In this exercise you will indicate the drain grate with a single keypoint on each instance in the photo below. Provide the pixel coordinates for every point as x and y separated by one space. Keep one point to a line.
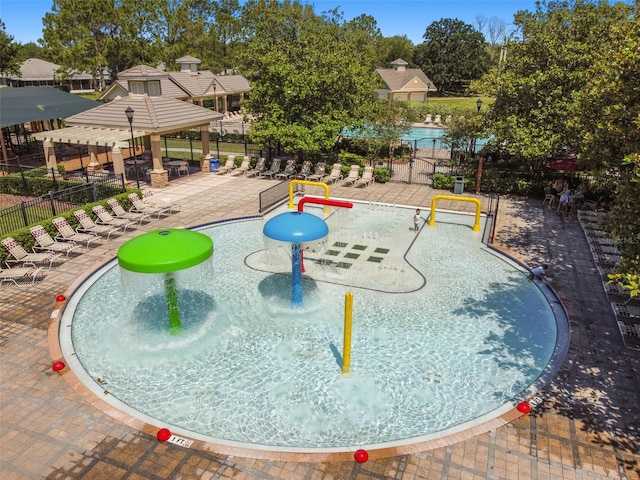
622 310
630 334
351 255
381 250
375 259
340 244
359 247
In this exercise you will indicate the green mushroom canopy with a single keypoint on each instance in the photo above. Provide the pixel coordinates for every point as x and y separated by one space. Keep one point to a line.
164 251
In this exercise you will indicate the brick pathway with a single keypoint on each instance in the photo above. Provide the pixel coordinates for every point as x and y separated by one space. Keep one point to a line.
586 428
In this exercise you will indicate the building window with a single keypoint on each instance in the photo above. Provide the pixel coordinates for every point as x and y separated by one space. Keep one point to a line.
154 88
150 87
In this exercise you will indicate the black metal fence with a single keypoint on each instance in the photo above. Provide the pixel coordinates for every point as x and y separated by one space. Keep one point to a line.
40 208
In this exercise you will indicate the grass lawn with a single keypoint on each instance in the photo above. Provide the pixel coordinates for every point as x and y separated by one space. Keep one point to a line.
460 102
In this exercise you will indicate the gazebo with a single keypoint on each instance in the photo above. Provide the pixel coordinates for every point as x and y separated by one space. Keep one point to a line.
108 125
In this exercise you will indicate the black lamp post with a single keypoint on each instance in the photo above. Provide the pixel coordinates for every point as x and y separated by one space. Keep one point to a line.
479 104
129 113
215 99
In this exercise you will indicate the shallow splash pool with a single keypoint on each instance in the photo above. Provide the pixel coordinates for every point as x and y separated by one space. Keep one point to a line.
445 334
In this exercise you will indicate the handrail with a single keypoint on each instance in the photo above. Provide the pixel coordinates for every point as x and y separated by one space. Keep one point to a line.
306 182
432 218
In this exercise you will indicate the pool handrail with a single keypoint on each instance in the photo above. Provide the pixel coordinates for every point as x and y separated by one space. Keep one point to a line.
432 217
306 182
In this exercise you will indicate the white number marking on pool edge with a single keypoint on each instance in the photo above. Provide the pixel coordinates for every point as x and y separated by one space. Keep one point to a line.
183 442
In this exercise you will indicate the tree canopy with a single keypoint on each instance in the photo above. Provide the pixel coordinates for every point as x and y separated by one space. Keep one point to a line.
453 52
8 52
311 75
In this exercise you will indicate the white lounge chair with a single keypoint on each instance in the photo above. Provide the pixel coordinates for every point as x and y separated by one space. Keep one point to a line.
150 199
352 178
366 179
66 233
21 256
229 165
27 274
105 218
46 243
138 206
119 211
244 167
87 225
305 170
335 174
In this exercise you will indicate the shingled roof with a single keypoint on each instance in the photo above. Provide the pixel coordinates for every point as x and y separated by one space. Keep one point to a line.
401 78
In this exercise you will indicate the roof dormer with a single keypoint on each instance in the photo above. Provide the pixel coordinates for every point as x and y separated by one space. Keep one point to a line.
189 64
399 65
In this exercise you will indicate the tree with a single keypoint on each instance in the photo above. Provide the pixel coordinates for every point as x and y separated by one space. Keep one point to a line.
396 47
453 52
311 76
535 88
9 62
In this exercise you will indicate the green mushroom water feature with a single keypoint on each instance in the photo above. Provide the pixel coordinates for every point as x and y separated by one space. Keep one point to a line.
165 252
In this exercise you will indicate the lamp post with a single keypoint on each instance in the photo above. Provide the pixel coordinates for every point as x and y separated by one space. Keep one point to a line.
479 104
129 113
215 99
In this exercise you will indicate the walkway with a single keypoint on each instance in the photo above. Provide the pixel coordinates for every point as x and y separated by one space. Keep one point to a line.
586 428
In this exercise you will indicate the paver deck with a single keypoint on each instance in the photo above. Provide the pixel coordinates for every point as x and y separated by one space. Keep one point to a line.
588 426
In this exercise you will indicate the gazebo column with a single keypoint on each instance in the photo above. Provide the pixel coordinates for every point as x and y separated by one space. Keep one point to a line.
118 161
50 157
94 163
159 176
206 152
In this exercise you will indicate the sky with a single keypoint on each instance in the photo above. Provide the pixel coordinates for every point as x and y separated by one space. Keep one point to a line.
23 18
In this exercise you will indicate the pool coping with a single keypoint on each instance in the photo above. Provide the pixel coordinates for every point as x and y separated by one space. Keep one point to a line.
473 428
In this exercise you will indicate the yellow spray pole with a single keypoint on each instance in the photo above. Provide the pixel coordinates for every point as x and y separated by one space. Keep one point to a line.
346 347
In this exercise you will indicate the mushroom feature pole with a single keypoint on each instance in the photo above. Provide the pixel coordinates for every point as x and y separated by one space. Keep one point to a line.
346 344
166 252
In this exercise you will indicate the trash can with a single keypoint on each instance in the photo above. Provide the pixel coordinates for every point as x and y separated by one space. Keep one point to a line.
458 186
214 164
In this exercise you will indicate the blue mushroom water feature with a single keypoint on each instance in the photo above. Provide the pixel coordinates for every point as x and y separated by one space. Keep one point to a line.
297 228
165 252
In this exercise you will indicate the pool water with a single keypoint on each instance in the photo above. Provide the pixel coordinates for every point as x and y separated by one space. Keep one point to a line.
444 332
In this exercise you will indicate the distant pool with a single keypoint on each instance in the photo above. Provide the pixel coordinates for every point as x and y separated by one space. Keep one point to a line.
423 137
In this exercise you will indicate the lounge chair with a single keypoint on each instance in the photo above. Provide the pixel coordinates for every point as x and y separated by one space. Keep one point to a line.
288 172
319 172
305 170
258 169
21 275
149 198
87 225
21 256
366 179
119 211
138 206
244 167
105 218
66 233
274 170
335 174
352 178
229 165
45 243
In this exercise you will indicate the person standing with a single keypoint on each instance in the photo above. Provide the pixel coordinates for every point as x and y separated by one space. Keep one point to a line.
417 218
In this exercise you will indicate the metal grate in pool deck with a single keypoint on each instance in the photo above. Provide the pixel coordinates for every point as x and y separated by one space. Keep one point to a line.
353 252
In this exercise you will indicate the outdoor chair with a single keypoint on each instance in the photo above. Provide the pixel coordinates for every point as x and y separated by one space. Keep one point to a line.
244 167
288 172
274 170
22 257
105 218
352 178
46 243
229 165
27 274
258 169
319 172
138 206
87 225
150 199
335 174
366 179
305 170
119 211
66 233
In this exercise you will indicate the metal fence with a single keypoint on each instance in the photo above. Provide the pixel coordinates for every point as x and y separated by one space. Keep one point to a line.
54 203
274 195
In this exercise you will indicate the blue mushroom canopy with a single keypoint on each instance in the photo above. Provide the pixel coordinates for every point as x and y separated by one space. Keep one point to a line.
296 227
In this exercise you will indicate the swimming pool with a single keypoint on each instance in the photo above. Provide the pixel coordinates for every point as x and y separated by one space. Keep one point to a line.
445 333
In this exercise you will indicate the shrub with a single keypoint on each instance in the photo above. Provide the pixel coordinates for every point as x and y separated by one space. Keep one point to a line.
381 175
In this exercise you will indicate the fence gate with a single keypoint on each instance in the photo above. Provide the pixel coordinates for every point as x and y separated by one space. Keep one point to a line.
430 156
